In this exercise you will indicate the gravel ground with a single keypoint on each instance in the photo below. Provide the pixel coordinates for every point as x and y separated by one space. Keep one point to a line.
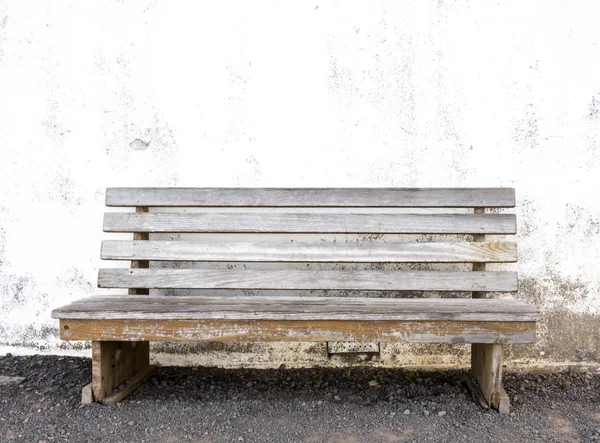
293 405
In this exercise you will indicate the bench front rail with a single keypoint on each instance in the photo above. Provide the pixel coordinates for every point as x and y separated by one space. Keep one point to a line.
320 247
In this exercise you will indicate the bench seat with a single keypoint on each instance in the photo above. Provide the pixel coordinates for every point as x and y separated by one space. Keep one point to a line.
256 318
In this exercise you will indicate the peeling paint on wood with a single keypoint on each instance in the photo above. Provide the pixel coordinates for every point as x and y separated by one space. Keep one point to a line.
292 331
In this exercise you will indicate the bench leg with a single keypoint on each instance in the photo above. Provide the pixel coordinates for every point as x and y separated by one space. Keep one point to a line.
118 368
486 367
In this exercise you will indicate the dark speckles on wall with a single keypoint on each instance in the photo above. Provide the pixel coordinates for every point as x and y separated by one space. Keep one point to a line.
385 82
39 338
3 23
580 220
591 145
2 245
562 336
17 288
527 217
16 291
247 354
536 290
254 171
594 108
22 293
62 188
531 290
527 132
75 279
217 347
65 190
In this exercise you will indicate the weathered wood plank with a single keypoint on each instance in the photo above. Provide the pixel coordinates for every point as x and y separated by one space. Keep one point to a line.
307 280
298 331
115 362
476 393
131 385
310 223
486 367
307 197
367 252
294 308
503 402
140 263
479 266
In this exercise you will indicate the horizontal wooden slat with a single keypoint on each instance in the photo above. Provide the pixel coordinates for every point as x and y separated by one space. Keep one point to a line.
351 252
308 197
146 307
298 331
307 279
311 223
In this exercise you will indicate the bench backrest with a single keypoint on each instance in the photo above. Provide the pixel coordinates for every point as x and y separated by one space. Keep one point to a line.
243 216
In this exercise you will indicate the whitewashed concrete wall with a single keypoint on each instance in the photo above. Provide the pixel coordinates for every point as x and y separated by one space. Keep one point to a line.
416 93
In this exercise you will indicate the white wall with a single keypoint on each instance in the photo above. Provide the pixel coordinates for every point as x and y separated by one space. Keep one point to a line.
417 93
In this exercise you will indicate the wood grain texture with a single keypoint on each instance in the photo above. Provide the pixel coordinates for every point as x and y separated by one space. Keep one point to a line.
308 197
115 362
294 308
132 384
367 252
299 331
475 392
140 263
486 367
342 223
478 266
307 280
503 401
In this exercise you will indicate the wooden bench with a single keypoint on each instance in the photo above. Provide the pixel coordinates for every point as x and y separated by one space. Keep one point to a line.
316 249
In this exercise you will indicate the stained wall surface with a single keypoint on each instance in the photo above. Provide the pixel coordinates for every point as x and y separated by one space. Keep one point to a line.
414 93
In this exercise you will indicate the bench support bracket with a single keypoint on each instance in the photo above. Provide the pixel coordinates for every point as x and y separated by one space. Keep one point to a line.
118 368
486 368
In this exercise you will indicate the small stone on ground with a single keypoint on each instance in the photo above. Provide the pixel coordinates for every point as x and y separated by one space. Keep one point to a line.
6 380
